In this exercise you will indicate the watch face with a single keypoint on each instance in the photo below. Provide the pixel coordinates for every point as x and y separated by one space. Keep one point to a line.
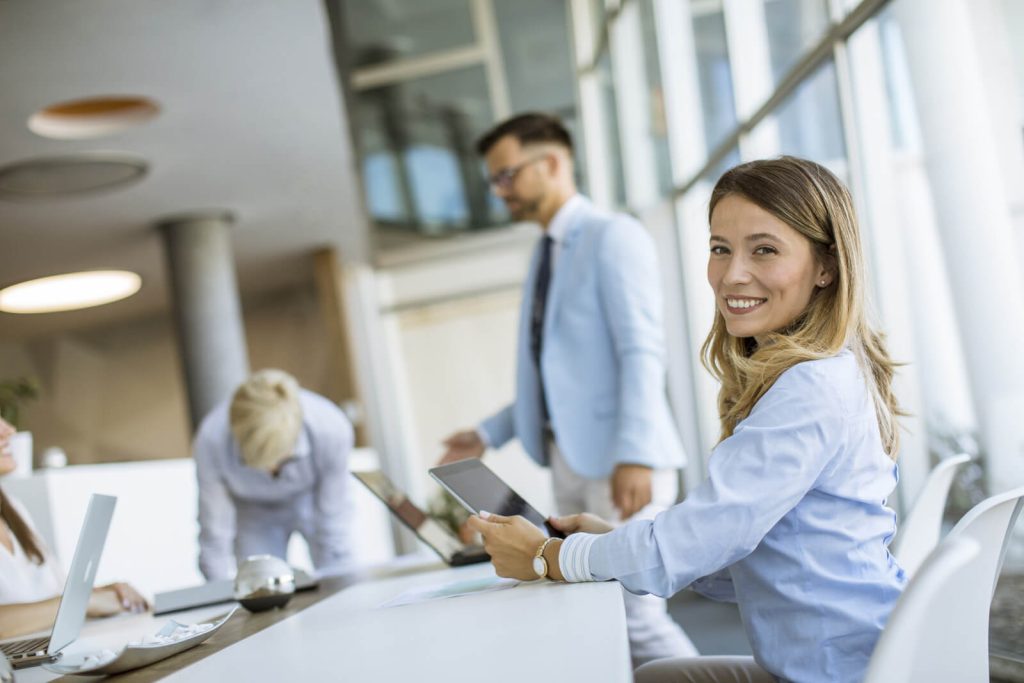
540 567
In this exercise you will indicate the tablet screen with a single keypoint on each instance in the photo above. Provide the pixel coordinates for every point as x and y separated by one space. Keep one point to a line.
478 488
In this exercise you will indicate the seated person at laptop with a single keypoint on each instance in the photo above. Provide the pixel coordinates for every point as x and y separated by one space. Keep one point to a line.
30 581
270 461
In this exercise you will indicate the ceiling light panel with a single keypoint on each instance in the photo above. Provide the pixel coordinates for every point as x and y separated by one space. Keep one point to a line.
69 292
92 117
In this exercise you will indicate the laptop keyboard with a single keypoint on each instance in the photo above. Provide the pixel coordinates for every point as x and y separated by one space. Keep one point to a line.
25 647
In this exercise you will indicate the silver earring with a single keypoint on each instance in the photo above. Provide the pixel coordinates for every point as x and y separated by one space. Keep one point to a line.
822 283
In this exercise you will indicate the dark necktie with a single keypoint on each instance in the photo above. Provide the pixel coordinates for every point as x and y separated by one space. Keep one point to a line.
540 297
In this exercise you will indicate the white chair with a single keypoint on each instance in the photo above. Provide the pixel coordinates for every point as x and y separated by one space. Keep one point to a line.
919 534
938 632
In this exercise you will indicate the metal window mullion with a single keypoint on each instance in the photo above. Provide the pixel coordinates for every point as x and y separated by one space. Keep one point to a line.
632 102
489 42
367 77
591 110
588 60
789 83
872 179
746 37
677 57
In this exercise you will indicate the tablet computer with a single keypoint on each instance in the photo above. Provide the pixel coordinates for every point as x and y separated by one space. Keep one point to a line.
478 488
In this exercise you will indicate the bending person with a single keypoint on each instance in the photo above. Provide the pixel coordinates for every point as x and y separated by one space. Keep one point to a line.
791 522
271 461
30 581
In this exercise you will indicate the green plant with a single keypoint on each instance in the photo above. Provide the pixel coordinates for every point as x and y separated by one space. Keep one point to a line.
13 393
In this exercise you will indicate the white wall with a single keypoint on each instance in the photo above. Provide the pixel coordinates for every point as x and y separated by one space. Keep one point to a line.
452 322
153 536
117 393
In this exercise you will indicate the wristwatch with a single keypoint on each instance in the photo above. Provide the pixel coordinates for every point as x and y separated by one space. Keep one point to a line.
540 565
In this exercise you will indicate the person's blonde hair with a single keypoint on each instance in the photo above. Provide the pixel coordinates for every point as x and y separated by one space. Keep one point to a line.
266 418
810 199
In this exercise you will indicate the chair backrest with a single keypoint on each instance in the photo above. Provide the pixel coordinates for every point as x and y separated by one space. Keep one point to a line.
919 533
938 632
907 640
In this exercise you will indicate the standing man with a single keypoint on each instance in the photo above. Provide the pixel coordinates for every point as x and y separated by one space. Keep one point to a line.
590 378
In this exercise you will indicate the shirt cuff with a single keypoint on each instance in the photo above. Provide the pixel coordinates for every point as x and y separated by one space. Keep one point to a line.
482 433
574 557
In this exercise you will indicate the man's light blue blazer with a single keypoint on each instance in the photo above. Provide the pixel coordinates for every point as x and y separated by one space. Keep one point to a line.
603 354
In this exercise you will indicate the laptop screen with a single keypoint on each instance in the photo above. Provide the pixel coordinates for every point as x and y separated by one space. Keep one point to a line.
74 600
426 528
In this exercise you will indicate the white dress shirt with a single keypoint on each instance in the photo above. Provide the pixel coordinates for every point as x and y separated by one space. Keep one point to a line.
561 221
246 511
21 579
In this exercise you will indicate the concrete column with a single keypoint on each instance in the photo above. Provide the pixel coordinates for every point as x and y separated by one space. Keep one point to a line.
961 142
207 310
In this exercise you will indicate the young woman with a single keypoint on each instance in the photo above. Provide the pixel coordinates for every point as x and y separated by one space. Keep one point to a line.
791 522
30 582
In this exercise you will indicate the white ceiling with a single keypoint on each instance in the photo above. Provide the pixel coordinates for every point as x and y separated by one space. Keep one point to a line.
251 122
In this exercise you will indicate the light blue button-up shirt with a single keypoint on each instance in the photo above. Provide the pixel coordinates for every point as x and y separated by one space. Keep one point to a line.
245 511
791 524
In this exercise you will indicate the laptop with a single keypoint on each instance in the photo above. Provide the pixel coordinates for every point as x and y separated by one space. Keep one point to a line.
213 593
74 601
434 534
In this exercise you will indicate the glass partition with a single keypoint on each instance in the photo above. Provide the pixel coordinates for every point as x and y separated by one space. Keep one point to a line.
794 26
426 80
379 32
810 124
419 165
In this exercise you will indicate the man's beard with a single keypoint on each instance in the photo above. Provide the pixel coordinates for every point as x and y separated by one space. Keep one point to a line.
526 209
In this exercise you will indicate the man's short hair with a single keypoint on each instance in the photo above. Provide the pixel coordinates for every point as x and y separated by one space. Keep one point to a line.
529 128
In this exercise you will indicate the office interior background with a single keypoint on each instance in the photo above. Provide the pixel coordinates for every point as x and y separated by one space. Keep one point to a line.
327 146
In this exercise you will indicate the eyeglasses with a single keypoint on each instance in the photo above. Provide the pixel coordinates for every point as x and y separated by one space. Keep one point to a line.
503 179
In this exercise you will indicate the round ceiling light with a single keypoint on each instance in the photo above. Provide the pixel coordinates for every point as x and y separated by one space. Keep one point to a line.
92 117
70 174
69 292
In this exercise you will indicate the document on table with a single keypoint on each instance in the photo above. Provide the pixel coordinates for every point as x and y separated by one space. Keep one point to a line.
451 590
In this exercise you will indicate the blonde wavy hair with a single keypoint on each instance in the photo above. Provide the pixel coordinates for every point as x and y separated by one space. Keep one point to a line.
810 199
266 418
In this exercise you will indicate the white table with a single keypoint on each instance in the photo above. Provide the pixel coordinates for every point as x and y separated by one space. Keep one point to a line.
534 631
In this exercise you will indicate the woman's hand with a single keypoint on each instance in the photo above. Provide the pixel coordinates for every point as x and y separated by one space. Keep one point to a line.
511 542
583 523
114 598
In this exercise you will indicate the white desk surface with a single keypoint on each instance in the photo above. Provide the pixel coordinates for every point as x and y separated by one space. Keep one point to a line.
535 631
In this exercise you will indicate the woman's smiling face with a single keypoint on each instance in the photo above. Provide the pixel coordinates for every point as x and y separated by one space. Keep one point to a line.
763 272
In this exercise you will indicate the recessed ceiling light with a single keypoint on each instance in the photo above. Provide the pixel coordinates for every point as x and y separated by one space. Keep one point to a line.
69 174
92 117
69 292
